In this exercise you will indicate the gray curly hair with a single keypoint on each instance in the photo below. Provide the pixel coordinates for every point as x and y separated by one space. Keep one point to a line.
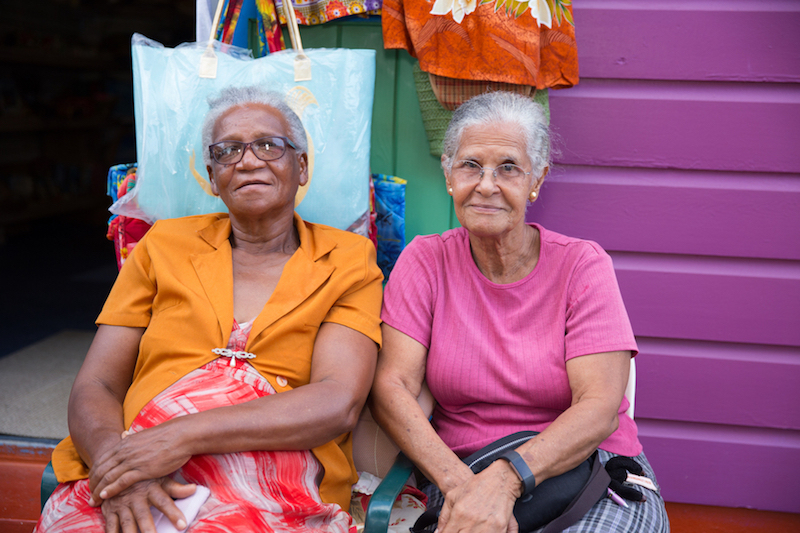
238 96
497 107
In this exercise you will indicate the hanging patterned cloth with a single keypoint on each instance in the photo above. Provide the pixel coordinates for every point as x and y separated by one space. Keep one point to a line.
526 43
228 20
312 12
270 36
269 27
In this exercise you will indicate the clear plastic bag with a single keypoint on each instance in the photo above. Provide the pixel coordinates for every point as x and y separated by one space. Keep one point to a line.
170 103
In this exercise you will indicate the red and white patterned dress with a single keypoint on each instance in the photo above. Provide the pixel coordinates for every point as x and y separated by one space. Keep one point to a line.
260 491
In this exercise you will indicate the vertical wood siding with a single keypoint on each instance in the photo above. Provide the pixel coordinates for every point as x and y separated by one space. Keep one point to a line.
680 155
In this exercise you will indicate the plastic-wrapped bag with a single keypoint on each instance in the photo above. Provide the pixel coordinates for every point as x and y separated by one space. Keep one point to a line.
390 206
170 103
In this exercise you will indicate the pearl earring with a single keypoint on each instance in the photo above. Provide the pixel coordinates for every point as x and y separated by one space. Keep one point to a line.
534 194
450 191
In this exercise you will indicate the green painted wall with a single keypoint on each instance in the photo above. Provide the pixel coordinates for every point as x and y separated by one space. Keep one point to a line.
399 144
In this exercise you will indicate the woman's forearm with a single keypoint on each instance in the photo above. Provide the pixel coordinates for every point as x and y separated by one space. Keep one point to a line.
300 419
94 413
568 441
597 382
95 423
397 411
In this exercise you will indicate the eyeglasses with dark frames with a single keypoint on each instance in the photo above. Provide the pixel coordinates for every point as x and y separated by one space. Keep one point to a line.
265 148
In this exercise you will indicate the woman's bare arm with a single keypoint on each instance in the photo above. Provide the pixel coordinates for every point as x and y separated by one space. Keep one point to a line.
96 425
598 385
303 418
398 382
95 403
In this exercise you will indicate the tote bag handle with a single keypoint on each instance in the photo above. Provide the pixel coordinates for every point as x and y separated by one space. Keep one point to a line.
208 61
302 63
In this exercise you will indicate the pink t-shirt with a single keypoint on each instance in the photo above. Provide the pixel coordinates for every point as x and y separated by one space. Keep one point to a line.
497 352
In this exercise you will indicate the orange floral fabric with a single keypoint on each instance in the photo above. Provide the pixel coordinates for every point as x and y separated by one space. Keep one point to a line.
497 40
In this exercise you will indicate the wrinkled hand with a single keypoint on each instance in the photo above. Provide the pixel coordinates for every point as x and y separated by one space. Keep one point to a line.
484 503
129 511
150 454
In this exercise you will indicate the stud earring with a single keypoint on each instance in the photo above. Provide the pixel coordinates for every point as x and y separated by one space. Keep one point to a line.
533 196
450 191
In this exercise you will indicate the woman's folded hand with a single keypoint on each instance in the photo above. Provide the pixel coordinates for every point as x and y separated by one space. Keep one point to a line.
484 503
129 511
149 454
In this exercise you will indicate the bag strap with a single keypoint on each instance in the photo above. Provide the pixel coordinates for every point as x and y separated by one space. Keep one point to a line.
302 63
592 492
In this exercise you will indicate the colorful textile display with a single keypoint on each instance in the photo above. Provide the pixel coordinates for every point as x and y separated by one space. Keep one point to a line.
390 206
373 214
312 12
124 231
270 36
526 43
227 21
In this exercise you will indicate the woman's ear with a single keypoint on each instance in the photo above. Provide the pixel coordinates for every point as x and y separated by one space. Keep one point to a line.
538 183
446 175
302 159
214 188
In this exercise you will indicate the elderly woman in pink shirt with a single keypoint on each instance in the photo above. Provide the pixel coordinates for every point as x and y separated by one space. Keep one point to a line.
513 327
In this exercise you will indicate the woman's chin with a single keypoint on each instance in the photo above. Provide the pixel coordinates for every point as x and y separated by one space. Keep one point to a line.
488 226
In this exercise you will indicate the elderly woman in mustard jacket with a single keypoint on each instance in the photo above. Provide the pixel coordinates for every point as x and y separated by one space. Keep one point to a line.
234 353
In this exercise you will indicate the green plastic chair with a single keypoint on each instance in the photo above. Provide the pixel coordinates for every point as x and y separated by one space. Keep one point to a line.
49 483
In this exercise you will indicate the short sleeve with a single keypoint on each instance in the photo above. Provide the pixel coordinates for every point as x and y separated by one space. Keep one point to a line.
359 305
130 302
596 320
410 294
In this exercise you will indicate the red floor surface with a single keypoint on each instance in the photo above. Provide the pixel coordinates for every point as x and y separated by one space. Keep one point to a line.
21 471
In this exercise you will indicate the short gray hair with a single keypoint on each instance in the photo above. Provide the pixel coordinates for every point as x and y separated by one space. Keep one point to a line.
238 96
497 107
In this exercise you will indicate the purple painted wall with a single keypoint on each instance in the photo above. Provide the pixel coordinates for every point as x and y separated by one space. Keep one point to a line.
681 157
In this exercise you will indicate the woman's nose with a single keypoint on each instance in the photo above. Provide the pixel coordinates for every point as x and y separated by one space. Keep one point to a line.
486 183
249 159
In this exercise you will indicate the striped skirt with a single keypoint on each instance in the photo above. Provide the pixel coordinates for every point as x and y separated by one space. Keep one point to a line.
262 491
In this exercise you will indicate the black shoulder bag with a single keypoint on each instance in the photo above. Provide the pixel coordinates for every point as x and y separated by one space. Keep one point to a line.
557 502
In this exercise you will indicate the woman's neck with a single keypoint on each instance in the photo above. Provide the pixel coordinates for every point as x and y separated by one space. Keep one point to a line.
508 258
264 236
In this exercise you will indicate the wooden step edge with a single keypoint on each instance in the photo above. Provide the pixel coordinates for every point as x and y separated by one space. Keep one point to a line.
695 518
26 448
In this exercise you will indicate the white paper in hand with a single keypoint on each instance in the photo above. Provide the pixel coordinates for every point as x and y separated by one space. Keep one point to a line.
188 506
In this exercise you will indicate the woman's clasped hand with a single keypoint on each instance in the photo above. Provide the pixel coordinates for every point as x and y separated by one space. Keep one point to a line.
150 454
483 502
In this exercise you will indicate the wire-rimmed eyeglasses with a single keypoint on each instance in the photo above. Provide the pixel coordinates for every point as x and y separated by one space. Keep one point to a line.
472 171
265 148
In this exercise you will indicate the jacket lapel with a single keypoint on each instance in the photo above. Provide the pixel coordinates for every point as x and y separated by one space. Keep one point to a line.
215 271
302 276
